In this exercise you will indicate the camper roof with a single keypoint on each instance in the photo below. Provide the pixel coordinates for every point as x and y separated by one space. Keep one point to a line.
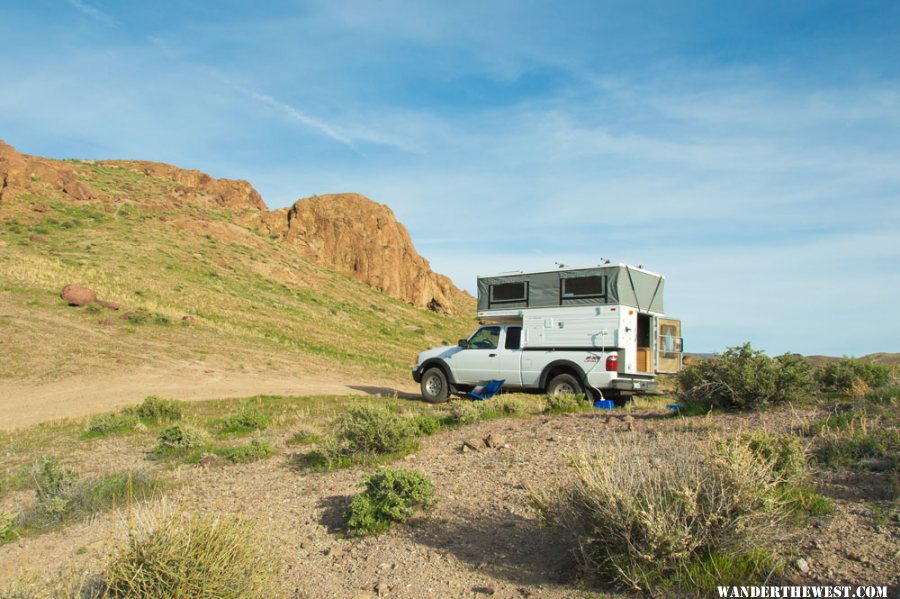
603 284
571 269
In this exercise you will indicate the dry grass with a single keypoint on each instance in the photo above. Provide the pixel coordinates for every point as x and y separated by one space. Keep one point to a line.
167 554
645 514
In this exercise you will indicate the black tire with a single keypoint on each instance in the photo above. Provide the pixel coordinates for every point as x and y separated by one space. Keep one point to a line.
434 386
564 383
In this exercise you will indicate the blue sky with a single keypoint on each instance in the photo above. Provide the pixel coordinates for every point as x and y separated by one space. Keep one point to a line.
749 151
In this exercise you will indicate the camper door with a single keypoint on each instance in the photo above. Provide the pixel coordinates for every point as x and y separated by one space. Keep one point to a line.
669 346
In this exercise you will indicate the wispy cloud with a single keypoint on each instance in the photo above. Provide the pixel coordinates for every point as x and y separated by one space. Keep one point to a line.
93 12
303 118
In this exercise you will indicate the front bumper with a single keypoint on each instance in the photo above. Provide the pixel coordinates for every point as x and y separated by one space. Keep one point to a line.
417 374
636 385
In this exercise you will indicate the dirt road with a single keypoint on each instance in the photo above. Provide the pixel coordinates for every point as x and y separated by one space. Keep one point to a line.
24 404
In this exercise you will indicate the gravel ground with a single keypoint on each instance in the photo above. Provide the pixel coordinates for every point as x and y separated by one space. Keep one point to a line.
482 538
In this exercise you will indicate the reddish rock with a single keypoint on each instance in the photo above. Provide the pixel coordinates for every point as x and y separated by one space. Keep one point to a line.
76 295
360 238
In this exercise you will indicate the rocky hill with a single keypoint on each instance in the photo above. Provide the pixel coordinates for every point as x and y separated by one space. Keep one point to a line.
206 277
348 233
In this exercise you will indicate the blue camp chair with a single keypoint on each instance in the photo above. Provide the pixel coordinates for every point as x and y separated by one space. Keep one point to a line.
483 392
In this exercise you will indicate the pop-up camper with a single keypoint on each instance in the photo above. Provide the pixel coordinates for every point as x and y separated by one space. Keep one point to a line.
598 330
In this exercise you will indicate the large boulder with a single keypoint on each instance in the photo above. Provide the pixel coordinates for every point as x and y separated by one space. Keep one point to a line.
76 295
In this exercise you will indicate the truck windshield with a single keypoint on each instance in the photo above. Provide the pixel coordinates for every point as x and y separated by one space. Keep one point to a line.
485 338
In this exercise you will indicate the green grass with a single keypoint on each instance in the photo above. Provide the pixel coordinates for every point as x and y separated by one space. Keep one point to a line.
879 447
243 454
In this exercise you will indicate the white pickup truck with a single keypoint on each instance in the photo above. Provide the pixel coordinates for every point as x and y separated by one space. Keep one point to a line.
598 331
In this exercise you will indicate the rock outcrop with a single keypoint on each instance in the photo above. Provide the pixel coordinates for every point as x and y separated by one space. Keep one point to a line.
347 233
355 236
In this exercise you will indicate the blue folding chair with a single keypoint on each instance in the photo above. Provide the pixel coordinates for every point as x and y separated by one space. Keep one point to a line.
483 392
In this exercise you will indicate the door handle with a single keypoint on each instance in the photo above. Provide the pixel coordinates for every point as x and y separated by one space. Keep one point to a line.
492 355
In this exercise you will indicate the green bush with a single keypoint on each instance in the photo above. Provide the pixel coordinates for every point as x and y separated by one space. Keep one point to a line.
426 424
248 418
744 379
880 448
251 452
178 438
155 408
888 395
785 452
62 497
105 424
842 375
642 514
564 403
207 556
390 496
463 411
7 527
506 406
54 486
376 430
304 436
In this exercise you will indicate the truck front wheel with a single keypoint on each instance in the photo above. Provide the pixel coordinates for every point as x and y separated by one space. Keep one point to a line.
564 384
434 386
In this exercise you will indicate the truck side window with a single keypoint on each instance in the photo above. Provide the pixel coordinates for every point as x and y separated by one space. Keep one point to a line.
513 337
485 338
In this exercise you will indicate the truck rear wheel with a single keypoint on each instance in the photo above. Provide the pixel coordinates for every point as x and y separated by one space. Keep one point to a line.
434 386
564 384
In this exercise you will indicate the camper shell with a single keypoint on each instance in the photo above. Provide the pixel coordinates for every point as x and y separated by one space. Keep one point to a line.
599 330
607 307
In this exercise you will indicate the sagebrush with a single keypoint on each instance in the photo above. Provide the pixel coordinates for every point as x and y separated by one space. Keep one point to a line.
390 495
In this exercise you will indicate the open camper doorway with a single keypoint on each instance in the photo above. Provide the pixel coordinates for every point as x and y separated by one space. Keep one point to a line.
644 336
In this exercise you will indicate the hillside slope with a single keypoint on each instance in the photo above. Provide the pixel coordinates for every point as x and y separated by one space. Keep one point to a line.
204 275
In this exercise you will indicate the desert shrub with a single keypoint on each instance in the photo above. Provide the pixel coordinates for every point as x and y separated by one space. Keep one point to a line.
641 516
178 438
7 527
464 411
846 374
879 449
54 486
426 424
390 495
251 452
564 403
105 424
156 408
62 497
888 395
178 557
304 436
248 418
376 430
785 452
742 378
506 406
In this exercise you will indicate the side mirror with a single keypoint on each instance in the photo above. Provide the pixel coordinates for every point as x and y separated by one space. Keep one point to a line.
463 343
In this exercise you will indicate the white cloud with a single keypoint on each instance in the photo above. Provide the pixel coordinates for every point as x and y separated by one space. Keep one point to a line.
93 12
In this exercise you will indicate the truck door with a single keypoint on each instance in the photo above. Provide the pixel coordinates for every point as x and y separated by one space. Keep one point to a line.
480 360
669 346
511 357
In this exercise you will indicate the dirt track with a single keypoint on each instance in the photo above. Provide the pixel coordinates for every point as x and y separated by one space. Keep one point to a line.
27 404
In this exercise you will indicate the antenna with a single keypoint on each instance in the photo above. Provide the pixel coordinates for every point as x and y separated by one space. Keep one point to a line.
560 264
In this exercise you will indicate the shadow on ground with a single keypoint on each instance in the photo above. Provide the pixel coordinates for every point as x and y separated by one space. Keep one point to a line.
334 513
504 545
385 391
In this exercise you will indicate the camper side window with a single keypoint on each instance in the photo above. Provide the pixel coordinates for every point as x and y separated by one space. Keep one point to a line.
583 287
509 292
